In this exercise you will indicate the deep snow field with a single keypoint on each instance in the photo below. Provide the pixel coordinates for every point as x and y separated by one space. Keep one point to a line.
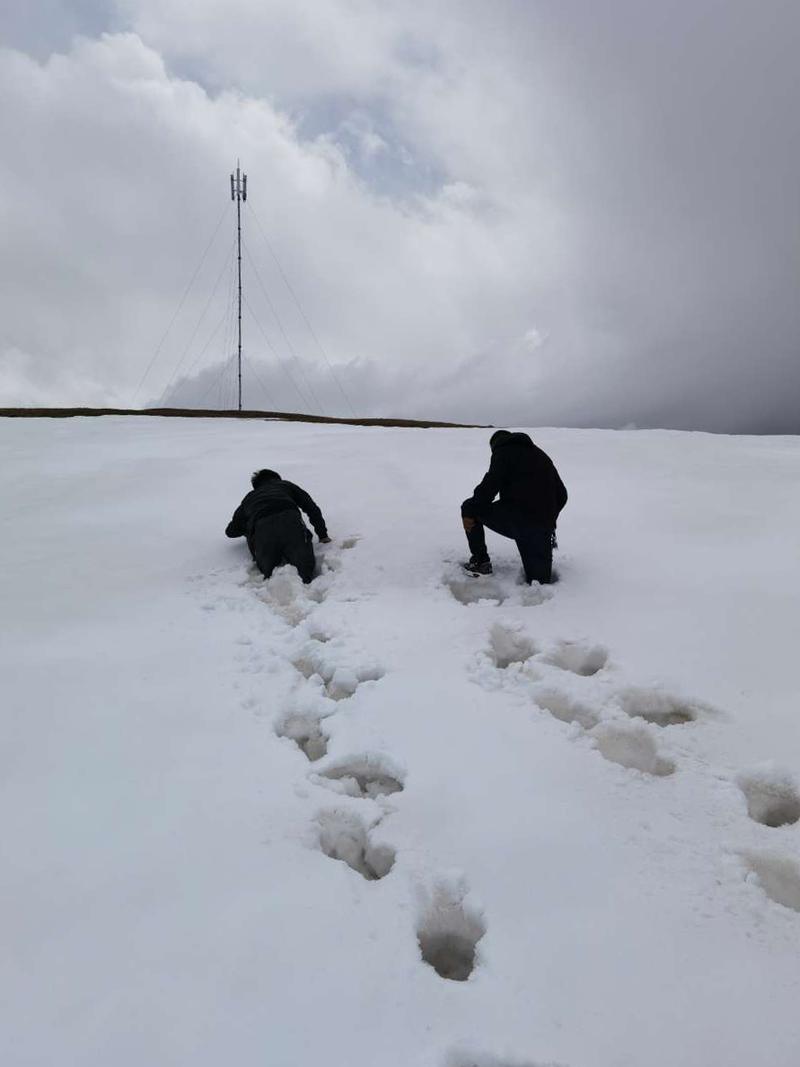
400 817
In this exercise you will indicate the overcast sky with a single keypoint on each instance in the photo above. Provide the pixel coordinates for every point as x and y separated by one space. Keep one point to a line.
558 212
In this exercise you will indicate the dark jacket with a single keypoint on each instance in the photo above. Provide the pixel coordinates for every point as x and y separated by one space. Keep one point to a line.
270 498
525 478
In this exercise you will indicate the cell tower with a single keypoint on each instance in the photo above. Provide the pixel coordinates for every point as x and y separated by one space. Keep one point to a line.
239 193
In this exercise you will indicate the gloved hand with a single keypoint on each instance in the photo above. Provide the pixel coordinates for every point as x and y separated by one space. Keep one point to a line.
324 540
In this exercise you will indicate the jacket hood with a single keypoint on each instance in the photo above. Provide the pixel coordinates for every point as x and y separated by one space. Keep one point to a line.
517 440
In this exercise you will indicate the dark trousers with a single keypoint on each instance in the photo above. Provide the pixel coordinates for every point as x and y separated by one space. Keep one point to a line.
283 538
535 543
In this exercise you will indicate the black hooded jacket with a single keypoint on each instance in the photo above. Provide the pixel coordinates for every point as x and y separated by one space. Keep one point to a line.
526 479
269 498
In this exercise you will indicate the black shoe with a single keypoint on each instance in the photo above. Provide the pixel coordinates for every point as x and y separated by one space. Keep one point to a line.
477 567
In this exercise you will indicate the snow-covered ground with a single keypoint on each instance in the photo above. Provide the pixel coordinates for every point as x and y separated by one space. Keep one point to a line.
236 816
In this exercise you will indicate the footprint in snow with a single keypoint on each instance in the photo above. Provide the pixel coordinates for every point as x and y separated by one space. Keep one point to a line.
448 933
498 588
339 683
344 837
305 730
508 644
631 745
657 707
329 556
288 598
772 796
329 564
777 875
364 776
468 590
320 636
566 709
578 658
627 744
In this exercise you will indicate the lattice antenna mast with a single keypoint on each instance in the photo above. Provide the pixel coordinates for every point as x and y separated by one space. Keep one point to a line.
239 193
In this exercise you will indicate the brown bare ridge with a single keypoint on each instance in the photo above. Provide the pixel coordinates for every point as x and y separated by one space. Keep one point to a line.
211 413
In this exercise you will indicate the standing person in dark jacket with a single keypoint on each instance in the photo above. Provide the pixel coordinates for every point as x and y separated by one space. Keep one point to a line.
531 496
269 517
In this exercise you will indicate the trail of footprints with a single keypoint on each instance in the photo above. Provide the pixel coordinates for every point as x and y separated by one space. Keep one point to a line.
448 930
625 728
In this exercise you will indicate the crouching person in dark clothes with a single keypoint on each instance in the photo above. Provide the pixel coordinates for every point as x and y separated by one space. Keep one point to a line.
269 517
531 497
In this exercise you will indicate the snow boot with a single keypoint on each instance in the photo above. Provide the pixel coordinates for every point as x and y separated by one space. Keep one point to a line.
477 567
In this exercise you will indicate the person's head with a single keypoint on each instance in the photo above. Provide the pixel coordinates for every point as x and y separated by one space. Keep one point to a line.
259 477
497 438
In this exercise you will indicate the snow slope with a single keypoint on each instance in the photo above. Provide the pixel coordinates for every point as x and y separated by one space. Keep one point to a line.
236 815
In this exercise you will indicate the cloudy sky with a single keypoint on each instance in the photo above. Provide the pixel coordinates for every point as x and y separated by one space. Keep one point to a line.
546 212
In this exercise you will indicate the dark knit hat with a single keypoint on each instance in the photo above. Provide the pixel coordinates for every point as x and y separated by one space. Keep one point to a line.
497 436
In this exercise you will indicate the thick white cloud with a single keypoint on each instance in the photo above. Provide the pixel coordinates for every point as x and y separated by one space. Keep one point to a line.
119 175
507 212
